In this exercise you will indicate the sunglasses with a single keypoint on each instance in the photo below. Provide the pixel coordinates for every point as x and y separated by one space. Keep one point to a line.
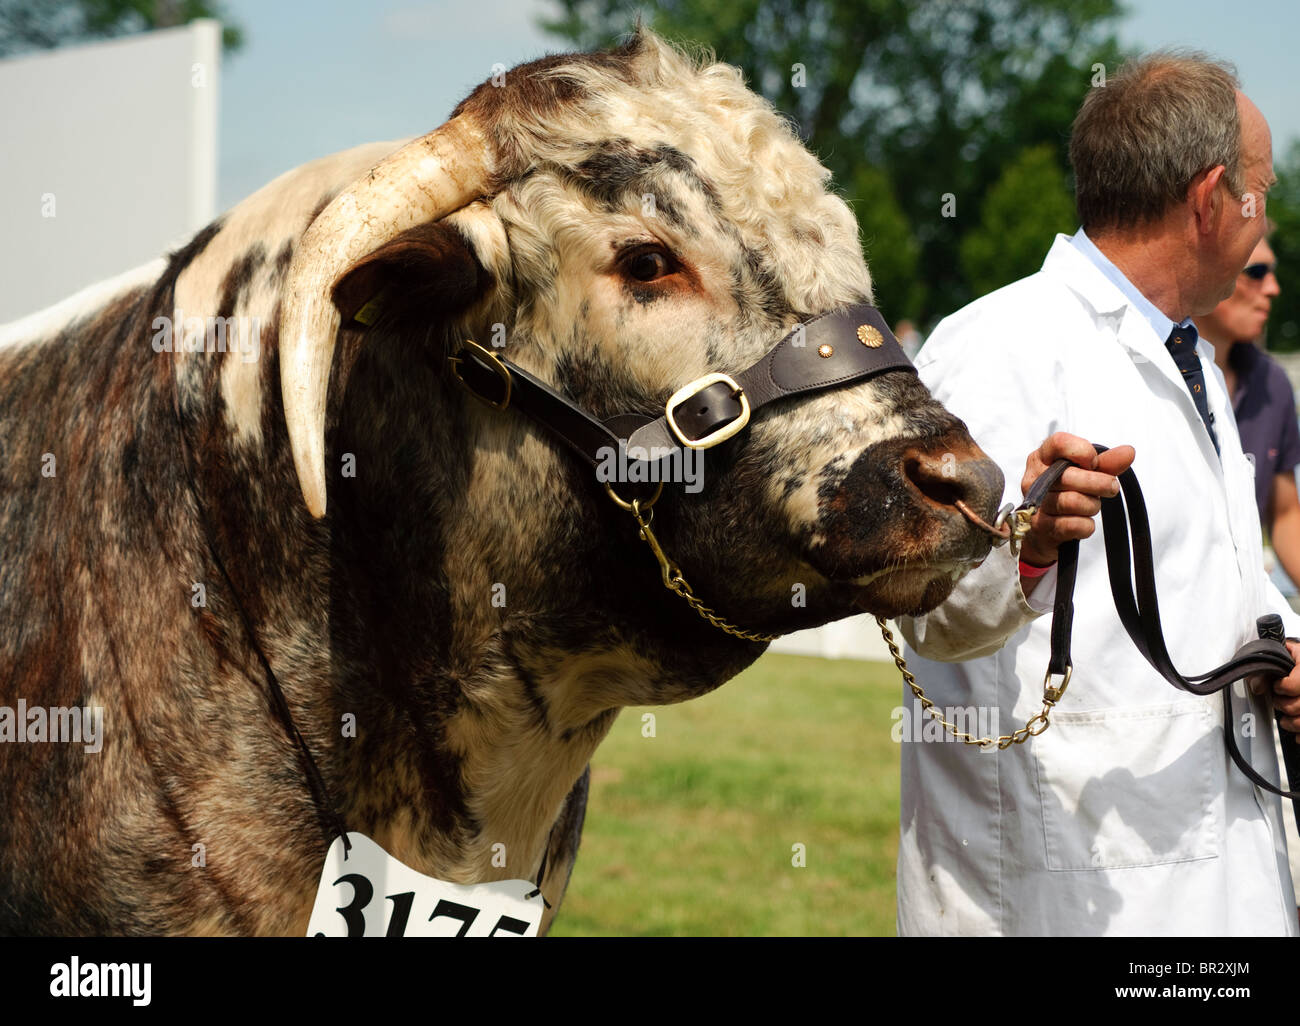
1258 272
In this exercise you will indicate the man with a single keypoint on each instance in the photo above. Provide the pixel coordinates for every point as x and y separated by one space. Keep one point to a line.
1262 400
1125 816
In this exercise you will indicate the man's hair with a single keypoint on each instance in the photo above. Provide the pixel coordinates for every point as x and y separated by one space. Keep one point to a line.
1139 140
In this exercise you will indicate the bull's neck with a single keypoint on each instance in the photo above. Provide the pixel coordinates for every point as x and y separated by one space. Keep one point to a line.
458 598
452 647
421 667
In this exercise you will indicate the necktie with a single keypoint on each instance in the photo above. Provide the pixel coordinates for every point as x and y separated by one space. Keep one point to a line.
1182 347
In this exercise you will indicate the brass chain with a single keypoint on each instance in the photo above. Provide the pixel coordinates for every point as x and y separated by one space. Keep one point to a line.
676 583
1035 726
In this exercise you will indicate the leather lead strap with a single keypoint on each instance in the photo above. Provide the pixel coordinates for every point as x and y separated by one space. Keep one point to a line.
1067 568
1063 611
1139 612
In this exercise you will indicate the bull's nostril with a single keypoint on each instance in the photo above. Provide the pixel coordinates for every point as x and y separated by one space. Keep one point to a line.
962 474
930 480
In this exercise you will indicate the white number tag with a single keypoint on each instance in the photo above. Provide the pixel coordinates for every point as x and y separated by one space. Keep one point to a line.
371 894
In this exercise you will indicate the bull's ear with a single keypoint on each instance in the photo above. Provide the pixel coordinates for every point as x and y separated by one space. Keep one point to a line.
427 271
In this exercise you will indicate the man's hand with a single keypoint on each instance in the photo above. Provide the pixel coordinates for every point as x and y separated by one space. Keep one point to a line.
1068 509
1286 694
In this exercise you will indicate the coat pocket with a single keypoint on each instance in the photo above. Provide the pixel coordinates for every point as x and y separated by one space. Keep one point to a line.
1131 787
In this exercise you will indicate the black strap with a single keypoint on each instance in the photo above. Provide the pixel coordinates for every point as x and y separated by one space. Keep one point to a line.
574 426
1139 612
830 350
541 872
1067 569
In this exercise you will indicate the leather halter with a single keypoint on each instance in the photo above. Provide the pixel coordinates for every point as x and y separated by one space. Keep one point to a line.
832 350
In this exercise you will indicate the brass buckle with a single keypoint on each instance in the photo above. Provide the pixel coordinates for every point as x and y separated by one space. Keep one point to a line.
501 370
722 433
1052 694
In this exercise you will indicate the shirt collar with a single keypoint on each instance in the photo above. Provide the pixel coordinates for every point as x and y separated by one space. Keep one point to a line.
1161 324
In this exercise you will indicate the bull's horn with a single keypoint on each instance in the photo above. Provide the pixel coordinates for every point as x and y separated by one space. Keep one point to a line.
423 181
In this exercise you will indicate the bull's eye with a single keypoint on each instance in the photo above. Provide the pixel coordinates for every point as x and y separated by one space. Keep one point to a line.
647 264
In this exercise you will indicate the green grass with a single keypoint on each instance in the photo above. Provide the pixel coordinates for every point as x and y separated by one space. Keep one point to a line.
691 832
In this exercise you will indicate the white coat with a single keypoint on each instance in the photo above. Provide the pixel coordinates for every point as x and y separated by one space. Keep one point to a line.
1126 816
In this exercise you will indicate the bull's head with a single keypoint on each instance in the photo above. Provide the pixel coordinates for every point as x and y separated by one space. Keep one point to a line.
626 223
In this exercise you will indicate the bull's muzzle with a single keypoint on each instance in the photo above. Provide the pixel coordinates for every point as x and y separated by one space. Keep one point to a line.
897 508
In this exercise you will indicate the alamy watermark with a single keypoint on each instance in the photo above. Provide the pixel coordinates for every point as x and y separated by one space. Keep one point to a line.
639 465
914 723
102 979
56 724
183 334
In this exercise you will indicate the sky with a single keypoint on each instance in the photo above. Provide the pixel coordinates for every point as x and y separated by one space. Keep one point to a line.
317 77
1258 36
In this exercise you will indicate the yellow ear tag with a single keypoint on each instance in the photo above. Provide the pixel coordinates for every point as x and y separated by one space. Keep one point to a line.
369 313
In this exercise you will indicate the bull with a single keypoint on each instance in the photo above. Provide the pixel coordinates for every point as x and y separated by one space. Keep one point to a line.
261 508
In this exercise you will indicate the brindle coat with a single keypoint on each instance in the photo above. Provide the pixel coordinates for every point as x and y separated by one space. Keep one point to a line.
475 721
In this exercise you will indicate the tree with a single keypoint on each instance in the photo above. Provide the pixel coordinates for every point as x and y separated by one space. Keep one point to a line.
1283 208
1026 207
44 24
933 93
893 254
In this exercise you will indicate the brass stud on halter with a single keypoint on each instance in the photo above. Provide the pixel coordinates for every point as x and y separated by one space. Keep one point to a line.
870 336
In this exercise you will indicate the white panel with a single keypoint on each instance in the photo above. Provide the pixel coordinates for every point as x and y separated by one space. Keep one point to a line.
118 141
858 637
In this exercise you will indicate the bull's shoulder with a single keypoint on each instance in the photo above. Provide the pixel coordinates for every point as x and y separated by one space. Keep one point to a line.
227 295
259 234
